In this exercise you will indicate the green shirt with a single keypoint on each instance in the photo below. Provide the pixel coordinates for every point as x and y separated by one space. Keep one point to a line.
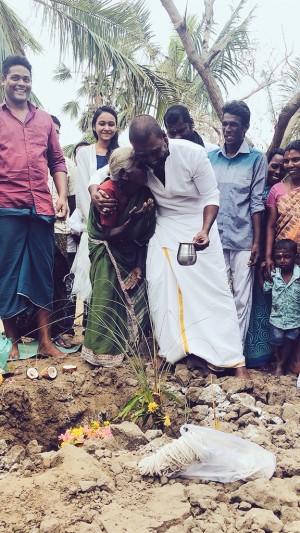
285 312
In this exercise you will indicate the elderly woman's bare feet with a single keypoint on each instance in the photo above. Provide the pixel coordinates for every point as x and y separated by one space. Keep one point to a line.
242 373
50 350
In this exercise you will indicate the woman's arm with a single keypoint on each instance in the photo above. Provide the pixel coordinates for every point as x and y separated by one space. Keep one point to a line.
136 273
272 215
135 214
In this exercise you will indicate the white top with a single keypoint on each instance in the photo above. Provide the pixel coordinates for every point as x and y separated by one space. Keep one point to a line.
86 166
99 176
190 182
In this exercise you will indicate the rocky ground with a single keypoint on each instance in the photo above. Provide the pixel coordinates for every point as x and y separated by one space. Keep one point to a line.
98 487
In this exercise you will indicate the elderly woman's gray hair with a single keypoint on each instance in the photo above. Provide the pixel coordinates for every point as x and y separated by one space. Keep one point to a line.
120 159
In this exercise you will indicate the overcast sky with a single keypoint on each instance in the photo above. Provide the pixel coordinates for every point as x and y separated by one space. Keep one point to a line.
273 18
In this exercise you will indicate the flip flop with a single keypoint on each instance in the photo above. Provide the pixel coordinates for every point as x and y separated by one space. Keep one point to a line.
61 342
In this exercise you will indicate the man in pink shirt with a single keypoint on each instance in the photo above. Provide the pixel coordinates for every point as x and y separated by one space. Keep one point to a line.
28 147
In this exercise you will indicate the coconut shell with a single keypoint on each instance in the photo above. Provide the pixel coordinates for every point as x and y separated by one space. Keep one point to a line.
68 369
49 373
32 373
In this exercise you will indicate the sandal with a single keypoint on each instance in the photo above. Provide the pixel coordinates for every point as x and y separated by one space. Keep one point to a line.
61 342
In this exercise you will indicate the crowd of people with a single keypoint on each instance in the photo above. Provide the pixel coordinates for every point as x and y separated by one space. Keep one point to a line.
107 226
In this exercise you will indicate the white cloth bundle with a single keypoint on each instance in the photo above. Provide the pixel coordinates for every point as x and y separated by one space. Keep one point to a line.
208 454
171 458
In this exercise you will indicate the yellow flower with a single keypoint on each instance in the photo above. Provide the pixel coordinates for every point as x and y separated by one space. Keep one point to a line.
106 423
167 421
77 432
95 424
152 407
64 443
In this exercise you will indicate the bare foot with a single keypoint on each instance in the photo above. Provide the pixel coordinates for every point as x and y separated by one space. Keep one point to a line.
50 349
242 373
14 354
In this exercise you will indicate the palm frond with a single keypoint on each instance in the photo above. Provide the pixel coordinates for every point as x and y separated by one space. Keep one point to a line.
15 38
71 108
62 73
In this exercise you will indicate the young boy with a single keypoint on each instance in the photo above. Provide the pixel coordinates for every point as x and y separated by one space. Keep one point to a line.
285 312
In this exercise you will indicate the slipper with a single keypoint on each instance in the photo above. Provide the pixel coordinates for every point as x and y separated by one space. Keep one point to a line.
61 342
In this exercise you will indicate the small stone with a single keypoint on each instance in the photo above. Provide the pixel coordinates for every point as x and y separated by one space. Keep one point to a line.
152 434
47 458
268 494
193 394
244 506
128 435
292 527
33 447
232 415
105 483
15 455
259 520
87 486
100 454
182 375
108 454
50 525
3 447
116 468
199 413
163 480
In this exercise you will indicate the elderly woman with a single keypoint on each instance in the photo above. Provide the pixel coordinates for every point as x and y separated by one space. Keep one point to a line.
118 312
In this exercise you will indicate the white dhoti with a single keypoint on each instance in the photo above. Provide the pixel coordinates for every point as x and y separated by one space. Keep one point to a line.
192 308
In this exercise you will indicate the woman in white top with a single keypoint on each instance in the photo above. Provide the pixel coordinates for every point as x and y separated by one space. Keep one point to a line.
89 159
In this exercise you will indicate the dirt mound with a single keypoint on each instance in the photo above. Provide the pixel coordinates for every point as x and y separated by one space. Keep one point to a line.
98 487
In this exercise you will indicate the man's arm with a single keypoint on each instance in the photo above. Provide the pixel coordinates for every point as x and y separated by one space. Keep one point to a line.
61 207
201 239
255 250
260 172
206 183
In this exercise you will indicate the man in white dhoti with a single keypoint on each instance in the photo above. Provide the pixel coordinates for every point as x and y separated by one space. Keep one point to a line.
192 307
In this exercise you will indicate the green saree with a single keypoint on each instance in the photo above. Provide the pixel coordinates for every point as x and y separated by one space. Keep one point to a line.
116 317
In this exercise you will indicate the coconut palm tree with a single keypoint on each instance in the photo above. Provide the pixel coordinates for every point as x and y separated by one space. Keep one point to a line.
15 38
113 52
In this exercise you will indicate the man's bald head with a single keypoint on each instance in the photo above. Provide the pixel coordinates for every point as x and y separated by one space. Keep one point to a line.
149 142
142 127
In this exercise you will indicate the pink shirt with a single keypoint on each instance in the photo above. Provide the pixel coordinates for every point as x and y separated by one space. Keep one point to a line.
26 151
276 192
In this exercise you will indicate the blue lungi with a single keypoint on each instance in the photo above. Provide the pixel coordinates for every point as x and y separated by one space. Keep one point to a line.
26 261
